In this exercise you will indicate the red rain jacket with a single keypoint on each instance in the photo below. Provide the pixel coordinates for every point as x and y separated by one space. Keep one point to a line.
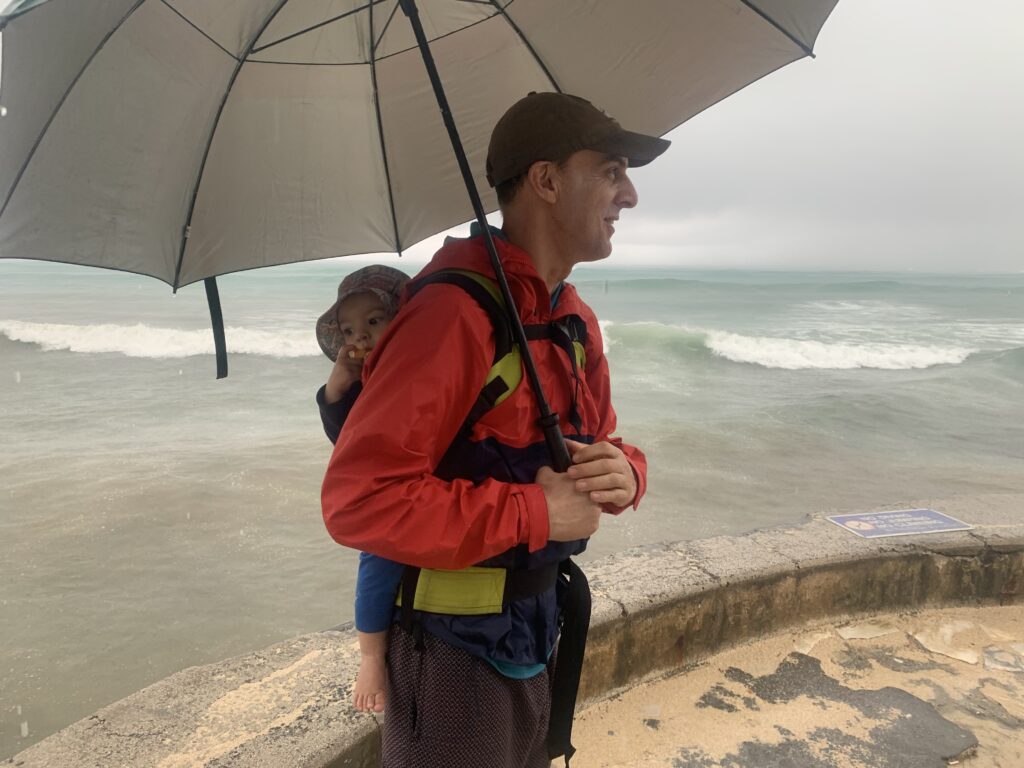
380 493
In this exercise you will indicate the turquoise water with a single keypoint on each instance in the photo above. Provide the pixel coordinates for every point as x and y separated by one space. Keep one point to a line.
152 517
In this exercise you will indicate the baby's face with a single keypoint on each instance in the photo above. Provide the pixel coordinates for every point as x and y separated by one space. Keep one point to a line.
362 320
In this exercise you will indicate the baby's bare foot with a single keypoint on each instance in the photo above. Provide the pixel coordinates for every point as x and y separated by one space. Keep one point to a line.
371 682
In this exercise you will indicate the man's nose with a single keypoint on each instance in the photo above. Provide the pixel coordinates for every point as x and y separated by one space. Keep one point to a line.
627 197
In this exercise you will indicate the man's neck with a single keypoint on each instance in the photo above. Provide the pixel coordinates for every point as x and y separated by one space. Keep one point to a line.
548 259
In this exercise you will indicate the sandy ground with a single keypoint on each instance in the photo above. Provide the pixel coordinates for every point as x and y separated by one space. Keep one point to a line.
931 688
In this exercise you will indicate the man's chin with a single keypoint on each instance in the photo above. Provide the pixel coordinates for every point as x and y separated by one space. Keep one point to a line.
604 253
590 255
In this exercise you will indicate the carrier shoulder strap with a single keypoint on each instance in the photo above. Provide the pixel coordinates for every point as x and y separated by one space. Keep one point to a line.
568 333
506 367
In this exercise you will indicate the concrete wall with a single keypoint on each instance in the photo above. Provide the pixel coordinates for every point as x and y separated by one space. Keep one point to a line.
655 609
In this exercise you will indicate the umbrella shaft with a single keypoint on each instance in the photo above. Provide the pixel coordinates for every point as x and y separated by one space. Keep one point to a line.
548 421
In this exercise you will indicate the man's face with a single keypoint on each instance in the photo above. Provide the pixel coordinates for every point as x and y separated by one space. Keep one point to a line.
594 189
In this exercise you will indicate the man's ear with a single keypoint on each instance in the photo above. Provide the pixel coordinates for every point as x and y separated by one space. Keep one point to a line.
542 179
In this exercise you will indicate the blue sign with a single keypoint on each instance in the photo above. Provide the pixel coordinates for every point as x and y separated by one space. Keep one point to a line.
900 522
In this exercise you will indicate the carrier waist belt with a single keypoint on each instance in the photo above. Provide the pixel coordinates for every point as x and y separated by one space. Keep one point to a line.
476 590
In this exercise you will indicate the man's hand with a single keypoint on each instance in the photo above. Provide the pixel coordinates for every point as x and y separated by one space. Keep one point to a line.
346 372
571 514
602 471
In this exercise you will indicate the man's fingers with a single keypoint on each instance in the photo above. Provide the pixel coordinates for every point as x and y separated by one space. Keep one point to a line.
595 468
587 451
583 451
602 482
602 450
575 446
618 498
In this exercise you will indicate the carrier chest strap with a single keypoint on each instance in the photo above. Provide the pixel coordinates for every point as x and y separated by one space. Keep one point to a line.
565 336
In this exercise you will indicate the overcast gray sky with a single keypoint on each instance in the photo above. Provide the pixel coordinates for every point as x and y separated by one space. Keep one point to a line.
898 148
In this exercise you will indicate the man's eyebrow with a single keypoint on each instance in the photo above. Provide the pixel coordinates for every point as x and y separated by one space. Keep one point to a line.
617 159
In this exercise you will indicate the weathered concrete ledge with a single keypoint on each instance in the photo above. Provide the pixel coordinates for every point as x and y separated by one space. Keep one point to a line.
655 609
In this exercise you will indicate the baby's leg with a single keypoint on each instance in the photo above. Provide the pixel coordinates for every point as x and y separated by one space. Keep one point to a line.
371 681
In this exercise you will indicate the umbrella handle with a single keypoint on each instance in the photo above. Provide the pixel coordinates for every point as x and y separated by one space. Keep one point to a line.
548 420
555 440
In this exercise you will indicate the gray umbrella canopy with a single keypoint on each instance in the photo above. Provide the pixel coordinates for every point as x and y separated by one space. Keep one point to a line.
185 139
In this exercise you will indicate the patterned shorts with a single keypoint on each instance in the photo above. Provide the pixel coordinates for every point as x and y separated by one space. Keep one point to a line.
448 709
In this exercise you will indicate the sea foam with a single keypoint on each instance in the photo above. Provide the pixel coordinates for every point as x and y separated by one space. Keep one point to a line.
141 340
795 354
660 339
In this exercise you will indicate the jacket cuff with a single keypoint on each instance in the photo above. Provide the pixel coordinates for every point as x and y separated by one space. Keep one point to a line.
533 516
641 484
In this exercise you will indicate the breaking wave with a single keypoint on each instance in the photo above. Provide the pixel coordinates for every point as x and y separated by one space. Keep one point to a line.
777 352
649 339
141 340
795 354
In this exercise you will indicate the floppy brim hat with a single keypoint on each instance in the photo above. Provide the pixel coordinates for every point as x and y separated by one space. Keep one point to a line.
551 126
386 283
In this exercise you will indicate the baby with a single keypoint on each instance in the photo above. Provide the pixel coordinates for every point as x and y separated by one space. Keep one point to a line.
367 301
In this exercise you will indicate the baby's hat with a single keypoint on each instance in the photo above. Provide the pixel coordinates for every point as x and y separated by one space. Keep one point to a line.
385 282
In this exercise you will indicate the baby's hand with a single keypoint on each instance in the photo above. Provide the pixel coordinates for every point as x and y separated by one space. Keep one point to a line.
356 351
347 371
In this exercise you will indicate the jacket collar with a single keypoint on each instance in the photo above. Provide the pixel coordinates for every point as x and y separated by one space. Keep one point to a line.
528 288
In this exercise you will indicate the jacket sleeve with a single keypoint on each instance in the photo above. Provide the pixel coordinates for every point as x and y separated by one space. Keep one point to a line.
333 415
599 381
379 494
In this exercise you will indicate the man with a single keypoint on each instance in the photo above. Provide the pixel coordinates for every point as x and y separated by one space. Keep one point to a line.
421 476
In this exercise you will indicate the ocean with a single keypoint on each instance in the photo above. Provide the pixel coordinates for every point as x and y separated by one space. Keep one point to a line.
153 518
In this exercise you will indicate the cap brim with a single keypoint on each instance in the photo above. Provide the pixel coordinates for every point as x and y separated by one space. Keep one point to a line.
638 148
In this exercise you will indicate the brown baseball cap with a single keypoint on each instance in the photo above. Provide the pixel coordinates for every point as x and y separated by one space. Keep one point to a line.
549 126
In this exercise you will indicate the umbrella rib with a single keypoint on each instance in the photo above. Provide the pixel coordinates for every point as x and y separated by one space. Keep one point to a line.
192 24
63 98
324 23
384 31
282 63
803 46
380 131
213 132
439 37
529 47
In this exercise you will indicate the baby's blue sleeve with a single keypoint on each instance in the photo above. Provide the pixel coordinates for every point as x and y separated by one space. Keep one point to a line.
376 589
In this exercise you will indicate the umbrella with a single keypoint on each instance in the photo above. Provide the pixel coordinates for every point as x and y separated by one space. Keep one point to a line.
184 139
